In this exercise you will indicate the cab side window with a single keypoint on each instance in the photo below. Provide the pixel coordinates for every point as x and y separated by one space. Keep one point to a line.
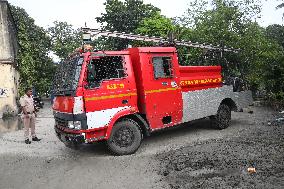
162 67
105 68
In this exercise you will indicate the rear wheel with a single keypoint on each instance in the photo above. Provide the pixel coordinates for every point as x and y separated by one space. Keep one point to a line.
125 137
223 117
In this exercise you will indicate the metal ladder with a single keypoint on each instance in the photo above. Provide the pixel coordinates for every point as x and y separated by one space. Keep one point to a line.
160 40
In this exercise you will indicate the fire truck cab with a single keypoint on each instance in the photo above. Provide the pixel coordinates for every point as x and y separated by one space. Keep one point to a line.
122 96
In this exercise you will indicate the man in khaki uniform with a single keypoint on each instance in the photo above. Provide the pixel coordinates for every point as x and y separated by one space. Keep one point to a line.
28 115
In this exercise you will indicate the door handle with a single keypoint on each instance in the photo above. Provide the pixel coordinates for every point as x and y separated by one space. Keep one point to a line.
124 101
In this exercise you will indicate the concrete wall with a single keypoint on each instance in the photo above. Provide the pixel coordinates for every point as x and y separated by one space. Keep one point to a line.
8 88
9 75
8 39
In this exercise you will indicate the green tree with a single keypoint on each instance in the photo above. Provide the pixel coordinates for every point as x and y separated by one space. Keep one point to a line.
154 26
161 26
274 68
124 16
276 32
35 67
64 38
157 25
231 23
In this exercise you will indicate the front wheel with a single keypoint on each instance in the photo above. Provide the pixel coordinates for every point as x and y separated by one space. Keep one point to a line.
125 137
223 117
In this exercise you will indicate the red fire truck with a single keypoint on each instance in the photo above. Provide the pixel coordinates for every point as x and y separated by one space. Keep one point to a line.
122 96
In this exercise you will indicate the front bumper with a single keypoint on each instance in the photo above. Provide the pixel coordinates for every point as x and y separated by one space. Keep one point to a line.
69 138
66 135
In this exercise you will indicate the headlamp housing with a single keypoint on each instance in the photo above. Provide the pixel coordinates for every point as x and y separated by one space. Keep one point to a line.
76 125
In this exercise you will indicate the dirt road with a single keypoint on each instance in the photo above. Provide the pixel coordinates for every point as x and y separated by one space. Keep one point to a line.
191 156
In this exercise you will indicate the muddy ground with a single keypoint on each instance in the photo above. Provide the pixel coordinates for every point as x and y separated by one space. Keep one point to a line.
224 162
190 156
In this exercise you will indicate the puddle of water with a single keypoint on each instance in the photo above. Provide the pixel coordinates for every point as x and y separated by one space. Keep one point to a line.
11 124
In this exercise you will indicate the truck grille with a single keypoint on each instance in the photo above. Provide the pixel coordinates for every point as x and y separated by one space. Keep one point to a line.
61 122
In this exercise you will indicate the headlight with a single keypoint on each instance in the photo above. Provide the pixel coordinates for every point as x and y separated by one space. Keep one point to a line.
71 124
74 125
77 125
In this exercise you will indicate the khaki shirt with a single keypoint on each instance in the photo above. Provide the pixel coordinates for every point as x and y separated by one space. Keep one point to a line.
28 103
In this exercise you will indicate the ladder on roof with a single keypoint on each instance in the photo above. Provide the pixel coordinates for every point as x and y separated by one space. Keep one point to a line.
160 40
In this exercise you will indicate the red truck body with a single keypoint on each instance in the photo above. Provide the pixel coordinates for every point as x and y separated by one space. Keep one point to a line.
149 88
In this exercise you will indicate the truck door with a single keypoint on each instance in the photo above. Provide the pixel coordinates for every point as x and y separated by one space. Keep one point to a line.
162 92
110 88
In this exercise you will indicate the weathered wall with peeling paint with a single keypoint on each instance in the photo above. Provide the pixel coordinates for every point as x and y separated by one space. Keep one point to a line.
9 75
8 39
8 88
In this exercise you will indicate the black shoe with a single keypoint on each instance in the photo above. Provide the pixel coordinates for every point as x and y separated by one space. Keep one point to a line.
36 139
27 141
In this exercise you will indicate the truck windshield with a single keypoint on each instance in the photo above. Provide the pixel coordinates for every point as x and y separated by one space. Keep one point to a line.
67 76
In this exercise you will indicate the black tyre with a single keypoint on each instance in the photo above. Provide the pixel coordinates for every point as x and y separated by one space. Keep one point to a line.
223 117
125 137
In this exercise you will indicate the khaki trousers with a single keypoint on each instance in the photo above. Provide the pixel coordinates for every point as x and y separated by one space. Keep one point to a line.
29 122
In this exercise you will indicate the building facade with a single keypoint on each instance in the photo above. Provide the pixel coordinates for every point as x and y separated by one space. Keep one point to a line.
9 75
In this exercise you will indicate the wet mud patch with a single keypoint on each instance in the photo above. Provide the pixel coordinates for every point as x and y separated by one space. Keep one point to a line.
224 163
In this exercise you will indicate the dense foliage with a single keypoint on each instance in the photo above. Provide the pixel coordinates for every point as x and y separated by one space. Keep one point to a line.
261 58
64 39
35 67
230 23
124 16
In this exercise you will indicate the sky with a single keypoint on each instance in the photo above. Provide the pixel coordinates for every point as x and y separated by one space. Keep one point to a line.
77 12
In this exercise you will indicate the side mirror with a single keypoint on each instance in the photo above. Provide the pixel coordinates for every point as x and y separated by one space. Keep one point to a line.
91 74
92 80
